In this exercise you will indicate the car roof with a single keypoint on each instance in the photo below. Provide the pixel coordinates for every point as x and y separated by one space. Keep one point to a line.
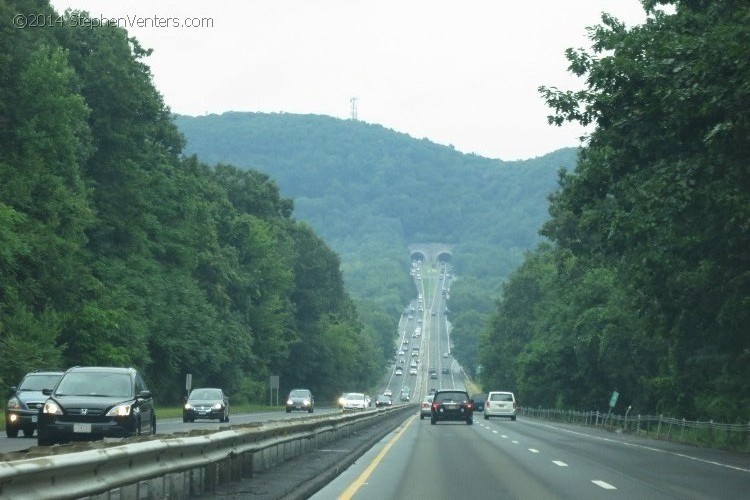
94 369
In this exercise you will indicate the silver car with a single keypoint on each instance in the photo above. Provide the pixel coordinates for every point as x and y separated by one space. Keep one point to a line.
425 410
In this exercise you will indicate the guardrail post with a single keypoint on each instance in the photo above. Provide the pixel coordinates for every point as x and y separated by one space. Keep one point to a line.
682 429
658 429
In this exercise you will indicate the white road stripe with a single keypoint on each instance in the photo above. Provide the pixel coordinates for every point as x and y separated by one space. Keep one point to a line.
514 442
602 484
559 463
532 450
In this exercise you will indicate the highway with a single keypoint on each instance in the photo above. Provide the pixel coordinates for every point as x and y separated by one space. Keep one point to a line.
527 458
497 458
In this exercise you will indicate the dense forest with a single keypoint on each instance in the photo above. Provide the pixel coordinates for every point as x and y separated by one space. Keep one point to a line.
118 249
645 285
370 192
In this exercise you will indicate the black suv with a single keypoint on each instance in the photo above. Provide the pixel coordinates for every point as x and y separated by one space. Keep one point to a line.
26 400
96 402
452 404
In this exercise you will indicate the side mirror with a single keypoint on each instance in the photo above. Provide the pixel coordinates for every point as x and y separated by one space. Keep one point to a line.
13 388
144 395
47 392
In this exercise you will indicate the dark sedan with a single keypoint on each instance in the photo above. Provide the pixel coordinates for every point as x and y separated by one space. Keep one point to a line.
26 400
301 400
207 403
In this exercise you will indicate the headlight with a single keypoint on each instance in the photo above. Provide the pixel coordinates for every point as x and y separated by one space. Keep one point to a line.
306 402
51 408
121 410
14 404
188 406
290 402
218 406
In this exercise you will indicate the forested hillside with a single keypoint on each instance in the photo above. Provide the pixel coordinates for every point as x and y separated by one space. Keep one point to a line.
646 289
115 249
370 192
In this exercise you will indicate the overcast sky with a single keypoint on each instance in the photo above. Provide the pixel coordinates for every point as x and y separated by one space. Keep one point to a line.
464 72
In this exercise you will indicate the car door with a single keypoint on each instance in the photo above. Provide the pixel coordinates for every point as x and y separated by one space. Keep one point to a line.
145 406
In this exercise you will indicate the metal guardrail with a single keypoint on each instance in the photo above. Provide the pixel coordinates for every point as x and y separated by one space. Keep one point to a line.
177 466
708 434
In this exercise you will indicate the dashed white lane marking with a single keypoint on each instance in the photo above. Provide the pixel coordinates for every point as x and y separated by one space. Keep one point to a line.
602 484
503 436
494 432
559 463
514 442
532 450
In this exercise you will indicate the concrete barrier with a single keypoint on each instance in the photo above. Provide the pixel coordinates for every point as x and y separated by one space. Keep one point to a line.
176 466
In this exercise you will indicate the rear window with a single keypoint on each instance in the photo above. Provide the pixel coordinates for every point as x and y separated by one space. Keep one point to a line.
453 397
500 396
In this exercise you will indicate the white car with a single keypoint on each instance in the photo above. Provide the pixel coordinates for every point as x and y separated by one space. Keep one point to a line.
388 393
355 401
500 404
412 371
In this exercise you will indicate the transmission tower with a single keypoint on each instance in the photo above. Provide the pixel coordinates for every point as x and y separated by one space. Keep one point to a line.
353 100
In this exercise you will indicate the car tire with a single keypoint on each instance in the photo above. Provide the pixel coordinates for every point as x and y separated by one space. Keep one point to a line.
43 440
513 418
153 425
486 417
184 420
288 410
310 410
469 421
11 432
433 421
421 417
28 432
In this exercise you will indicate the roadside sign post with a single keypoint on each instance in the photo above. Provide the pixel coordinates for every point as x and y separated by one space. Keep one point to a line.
273 384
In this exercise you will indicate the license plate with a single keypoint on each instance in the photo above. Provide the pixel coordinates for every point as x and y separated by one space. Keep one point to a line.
450 406
85 428
33 419
202 412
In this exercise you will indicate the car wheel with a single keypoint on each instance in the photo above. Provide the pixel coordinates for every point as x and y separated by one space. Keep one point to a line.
513 418
288 410
486 417
184 420
43 440
310 410
433 421
11 432
153 425
28 432
421 417
469 421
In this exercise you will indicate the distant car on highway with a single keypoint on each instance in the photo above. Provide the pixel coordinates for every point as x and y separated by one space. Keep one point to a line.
388 393
22 409
206 403
426 409
478 402
383 400
452 404
301 400
355 401
500 404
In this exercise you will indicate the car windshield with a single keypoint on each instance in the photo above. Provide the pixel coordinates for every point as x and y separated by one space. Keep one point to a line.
451 397
299 394
501 397
355 397
205 394
95 384
39 382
